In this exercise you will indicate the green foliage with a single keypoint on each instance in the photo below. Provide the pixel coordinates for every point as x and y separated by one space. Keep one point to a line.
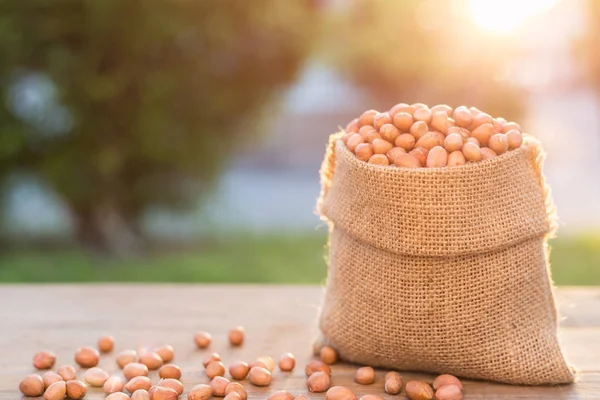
154 95
422 51
249 259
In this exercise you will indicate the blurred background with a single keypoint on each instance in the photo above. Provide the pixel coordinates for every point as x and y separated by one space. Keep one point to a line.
180 141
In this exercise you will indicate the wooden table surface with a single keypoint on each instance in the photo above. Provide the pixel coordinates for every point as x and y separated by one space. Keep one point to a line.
277 319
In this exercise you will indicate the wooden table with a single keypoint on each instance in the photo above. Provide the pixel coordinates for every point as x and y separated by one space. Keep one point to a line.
277 319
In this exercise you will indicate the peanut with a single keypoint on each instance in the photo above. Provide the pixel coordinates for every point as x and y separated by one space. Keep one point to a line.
354 140
340 393
472 152
401 107
87 357
392 154
166 352
113 384
236 336
371 397
173 384
139 382
287 362
203 339
76 389
480 119
381 119
232 396
67 372
389 132
364 151
439 122
106 344
140 394
96 377
463 117
393 382
364 131
423 114
421 154
239 370
364 376
316 366
403 121
32 385
268 362
281 395
163 393
446 379
126 357
367 117
329 354
134 369
416 390
509 126
405 141
352 126
117 396
318 382
483 133
437 157
498 143
381 146
379 159
235 387
429 141
407 161
200 392
448 392
151 360
210 358
487 153
50 377
418 129
56 391
215 368
515 139
169 371
372 136
456 158
218 385
453 142
260 376
44 360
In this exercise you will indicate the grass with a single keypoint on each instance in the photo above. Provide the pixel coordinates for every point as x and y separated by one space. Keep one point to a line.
249 259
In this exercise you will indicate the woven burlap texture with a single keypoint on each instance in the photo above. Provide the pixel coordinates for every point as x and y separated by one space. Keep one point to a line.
442 270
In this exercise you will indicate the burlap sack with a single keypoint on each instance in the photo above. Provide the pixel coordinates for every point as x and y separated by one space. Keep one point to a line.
442 270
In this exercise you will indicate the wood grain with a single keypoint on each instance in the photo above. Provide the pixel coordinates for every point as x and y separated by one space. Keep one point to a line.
277 319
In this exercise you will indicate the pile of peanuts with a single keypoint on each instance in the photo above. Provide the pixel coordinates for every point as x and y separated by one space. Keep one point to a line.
415 136
135 368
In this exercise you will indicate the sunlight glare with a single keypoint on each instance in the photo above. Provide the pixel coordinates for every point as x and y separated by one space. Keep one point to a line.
504 16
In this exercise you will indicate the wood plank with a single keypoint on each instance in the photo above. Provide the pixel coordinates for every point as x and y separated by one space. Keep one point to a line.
277 319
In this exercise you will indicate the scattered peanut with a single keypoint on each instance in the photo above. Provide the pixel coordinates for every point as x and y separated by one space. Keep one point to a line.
446 379
44 360
340 393
328 355
260 376
239 370
113 384
448 392
126 357
56 391
96 377
134 369
210 358
215 368
169 371
218 385
165 352
151 360
416 390
200 392
236 336
235 387
163 393
365 376
32 385
140 394
232 396
139 382
287 362
393 382
318 382
202 339
76 389
281 395
371 397
268 362
106 344
87 357
50 377
171 383
316 366
67 372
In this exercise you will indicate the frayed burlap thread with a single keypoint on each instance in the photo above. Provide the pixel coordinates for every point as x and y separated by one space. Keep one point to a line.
442 270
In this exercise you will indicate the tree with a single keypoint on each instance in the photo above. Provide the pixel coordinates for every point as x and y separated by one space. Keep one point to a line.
426 51
120 105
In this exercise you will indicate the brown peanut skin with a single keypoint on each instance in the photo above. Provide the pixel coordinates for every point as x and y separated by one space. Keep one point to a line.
340 393
364 376
32 385
200 392
416 390
281 395
318 382
44 360
56 391
448 392
446 379
76 390
393 382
